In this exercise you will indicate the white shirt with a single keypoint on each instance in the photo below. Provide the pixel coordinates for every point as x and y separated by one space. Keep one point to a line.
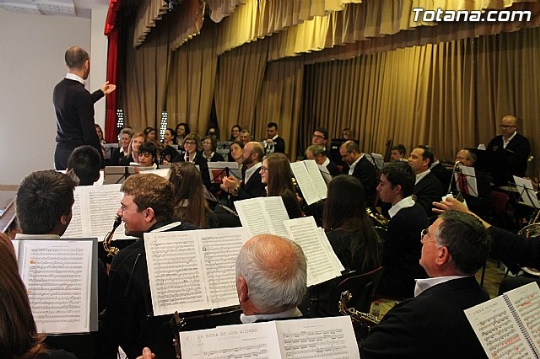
77 78
505 142
404 203
251 171
421 175
424 284
291 313
351 168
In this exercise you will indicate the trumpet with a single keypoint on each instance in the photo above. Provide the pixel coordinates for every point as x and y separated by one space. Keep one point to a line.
107 241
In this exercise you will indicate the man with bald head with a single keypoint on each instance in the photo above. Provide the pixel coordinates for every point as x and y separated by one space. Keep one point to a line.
271 276
74 107
251 185
508 153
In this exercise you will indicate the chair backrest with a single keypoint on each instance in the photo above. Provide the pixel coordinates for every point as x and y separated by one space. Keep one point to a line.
499 200
361 286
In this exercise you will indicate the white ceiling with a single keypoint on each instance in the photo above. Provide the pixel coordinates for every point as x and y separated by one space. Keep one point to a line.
78 8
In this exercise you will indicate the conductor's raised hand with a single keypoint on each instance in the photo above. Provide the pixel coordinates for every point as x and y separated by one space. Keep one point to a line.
107 88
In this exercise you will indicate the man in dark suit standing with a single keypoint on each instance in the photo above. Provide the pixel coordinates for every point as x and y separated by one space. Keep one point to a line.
74 107
508 153
273 142
360 167
433 324
427 188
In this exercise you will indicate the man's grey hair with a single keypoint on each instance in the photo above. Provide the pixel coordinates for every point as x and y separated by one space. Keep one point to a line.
275 273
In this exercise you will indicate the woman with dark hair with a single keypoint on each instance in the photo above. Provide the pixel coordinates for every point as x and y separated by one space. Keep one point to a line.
168 152
236 151
209 145
182 130
193 154
150 134
277 175
148 155
348 227
19 338
212 131
190 203
235 133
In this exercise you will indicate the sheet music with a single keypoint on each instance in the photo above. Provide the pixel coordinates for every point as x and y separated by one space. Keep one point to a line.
57 275
218 170
497 329
193 270
317 177
322 263
303 178
257 341
527 192
263 215
94 210
318 338
331 338
162 172
526 302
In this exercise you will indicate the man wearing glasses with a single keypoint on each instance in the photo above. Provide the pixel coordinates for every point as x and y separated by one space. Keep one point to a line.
433 324
508 153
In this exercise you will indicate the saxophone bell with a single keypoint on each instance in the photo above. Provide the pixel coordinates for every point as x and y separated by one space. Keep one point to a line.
107 242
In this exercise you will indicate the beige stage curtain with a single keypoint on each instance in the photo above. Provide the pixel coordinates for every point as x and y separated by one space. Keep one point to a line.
238 83
185 24
449 95
144 86
222 8
192 80
280 101
148 14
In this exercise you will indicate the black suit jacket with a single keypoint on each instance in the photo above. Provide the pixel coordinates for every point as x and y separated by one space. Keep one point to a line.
512 160
401 253
515 250
442 174
253 188
427 191
432 325
279 145
365 172
333 169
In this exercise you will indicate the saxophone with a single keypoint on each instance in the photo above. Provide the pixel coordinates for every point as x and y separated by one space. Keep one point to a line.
107 242
362 322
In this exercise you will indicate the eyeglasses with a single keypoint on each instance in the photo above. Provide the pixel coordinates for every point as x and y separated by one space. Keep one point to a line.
423 236
507 126
189 143
264 169
318 136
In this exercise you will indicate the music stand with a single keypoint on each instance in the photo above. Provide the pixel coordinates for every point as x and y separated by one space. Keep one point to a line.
219 170
527 194
118 174
468 176
378 160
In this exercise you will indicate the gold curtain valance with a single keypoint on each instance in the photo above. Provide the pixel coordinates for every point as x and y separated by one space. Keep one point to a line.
150 11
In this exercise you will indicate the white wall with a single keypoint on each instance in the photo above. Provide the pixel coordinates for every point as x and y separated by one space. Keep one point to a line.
31 63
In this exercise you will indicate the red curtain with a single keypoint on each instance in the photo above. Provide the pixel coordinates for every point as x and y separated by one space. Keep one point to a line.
111 31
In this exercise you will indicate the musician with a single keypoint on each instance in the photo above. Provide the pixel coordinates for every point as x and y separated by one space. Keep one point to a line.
360 167
513 249
401 248
328 168
83 165
193 154
44 208
508 153
273 143
481 203
427 187
276 174
433 324
145 207
250 186
397 153
271 277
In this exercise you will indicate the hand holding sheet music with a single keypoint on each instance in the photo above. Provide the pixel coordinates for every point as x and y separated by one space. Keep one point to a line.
263 215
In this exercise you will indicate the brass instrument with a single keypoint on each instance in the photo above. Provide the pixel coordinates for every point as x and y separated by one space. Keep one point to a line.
362 322
109 249
377 217
530 231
